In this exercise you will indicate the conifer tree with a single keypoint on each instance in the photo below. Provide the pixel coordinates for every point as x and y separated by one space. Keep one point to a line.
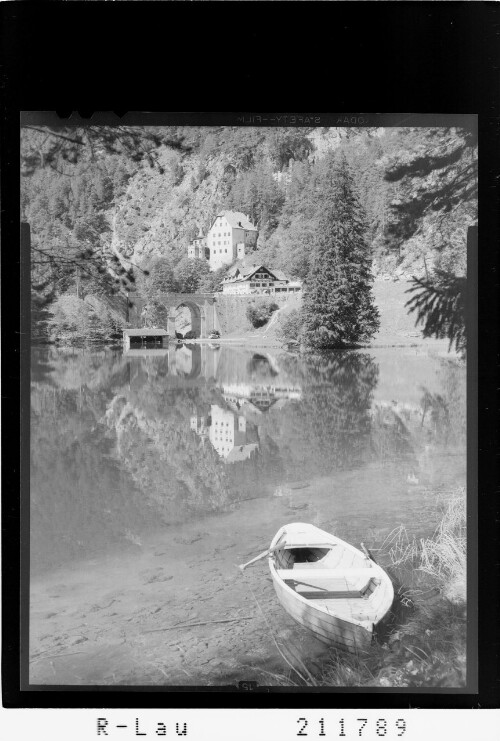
338 303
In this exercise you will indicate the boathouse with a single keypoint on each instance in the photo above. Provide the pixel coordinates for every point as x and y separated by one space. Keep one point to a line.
135 339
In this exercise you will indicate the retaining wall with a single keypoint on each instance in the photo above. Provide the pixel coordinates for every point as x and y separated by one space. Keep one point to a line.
231 310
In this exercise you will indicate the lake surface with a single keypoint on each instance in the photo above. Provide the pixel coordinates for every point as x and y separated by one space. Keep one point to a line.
154 475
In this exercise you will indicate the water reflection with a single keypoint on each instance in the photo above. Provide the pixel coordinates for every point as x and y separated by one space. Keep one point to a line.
123 443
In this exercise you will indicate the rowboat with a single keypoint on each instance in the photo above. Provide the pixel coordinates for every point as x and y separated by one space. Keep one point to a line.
328 586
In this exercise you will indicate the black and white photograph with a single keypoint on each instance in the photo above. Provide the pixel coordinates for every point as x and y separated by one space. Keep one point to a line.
248 412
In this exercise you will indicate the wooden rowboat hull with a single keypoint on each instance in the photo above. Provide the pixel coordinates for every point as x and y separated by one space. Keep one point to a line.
333 629
326 628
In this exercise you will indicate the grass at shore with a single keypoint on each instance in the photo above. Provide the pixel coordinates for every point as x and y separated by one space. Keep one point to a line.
423 643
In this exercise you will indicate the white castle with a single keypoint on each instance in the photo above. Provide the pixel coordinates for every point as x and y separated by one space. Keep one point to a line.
231 237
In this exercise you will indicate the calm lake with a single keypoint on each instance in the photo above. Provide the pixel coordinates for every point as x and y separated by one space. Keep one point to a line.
154 475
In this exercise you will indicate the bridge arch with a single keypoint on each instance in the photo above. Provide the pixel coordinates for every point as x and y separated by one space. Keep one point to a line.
195 316
202 308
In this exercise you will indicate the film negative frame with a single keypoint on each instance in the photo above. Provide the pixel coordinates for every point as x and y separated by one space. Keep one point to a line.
266 119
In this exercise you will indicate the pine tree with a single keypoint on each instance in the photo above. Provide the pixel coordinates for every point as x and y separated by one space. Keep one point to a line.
338 303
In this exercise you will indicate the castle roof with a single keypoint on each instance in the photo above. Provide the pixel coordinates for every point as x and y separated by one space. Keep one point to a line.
238 220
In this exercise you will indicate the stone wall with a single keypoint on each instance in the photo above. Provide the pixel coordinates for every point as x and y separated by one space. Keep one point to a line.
227 314
231 310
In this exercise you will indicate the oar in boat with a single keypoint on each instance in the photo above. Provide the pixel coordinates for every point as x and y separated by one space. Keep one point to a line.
280 546
243 566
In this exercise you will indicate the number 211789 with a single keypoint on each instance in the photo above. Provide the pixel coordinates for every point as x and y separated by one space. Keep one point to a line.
353 729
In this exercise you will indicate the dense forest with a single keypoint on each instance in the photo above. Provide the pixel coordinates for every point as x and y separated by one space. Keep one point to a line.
114 209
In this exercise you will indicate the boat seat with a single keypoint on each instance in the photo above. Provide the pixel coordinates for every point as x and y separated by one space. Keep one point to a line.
331 584
317 574
340 591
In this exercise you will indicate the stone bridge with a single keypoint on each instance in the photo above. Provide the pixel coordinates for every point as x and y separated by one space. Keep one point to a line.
202 307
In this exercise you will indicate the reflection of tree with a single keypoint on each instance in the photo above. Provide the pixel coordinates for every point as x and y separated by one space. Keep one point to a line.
329 428
390 437
259 367
444 415
440 307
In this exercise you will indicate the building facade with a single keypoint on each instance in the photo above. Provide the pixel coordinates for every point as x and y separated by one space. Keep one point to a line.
231 237
258 280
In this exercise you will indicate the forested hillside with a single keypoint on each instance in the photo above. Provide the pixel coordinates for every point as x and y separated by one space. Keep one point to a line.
105 206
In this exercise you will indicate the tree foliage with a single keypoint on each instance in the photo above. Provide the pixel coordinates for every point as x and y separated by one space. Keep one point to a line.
165 275
291 326
56 146
259 314
286 144
440 307
73 320
338 308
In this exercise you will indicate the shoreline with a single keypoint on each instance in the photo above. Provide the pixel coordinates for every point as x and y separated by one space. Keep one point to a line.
175 610
253 341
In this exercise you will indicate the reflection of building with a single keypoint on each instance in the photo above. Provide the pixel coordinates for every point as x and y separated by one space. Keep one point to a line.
200 423
232 437
260 398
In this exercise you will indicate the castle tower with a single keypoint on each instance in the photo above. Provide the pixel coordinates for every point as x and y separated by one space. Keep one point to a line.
196 249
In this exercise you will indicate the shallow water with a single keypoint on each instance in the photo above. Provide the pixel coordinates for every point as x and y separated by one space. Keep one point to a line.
154 475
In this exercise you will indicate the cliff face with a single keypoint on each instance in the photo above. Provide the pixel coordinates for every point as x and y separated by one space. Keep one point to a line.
161 212
163 207
275 182
166 206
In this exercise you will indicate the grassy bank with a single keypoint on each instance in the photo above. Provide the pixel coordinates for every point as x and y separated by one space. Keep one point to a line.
423 643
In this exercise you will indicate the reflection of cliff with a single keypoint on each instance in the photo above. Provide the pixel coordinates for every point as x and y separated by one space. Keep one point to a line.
82 501
153 441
